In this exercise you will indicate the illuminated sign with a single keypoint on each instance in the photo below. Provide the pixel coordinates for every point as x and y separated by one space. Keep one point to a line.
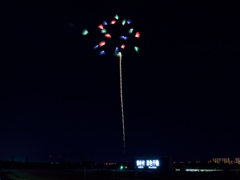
151 164
140 164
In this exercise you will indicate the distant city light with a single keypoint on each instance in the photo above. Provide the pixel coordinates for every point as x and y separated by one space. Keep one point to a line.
202 170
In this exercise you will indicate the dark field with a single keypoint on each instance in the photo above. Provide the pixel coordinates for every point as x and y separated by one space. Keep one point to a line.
107 175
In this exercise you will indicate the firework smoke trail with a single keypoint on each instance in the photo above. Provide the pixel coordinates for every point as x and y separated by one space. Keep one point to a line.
120 69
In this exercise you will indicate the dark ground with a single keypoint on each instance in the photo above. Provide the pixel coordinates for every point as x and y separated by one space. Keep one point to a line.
107 175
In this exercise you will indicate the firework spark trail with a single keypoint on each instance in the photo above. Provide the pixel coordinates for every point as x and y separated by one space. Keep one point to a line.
120 69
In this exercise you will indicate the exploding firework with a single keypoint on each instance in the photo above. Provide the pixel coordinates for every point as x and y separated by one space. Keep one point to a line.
117 53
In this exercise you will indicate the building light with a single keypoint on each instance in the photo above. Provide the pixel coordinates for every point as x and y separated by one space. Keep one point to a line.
150 167
202 170
150 163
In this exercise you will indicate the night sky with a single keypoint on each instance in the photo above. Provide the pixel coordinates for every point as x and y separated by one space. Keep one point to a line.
58 97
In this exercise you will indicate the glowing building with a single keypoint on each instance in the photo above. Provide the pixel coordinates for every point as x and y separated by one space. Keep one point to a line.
220 160
237 160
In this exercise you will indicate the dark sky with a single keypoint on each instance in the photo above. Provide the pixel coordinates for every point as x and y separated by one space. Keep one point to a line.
60 98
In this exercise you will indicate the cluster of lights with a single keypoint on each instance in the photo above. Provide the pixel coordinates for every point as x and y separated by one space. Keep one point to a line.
123 167
201 170
107 35
109 163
